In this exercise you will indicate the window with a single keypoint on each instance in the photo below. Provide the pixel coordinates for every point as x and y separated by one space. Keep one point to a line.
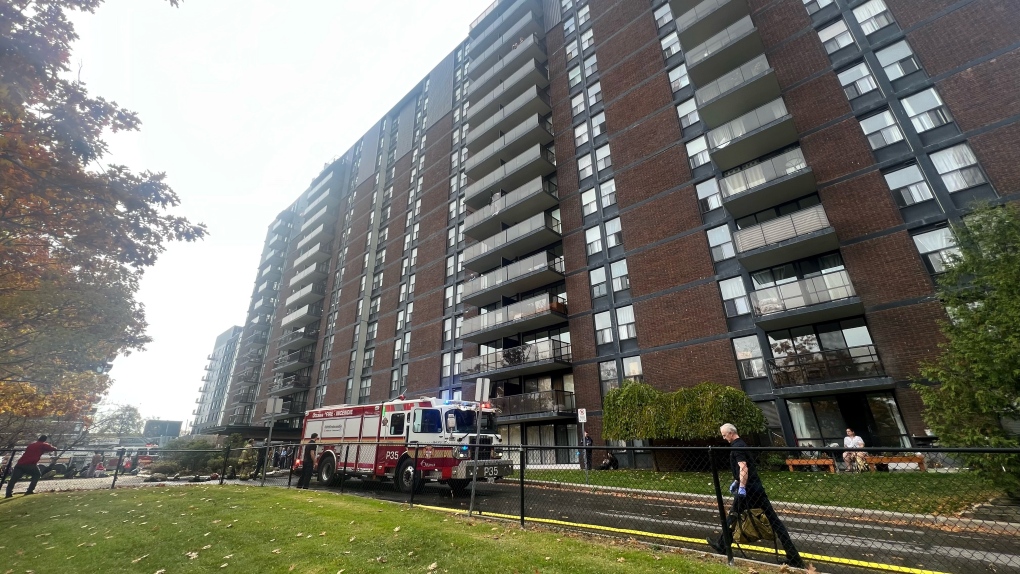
749 360
371 332
614 233
958 167
587 39
709 197
908 185
593 237
351 365
566 5
577 104
720 242
598 124
835 37
678 77
816 5
569 26
881 130
594 93
448 329
688 113
873 16
369 360
926 110
574 76
581 134
583 15
603 328
572 49
373 308
597 277
608 377
625 323
451 237
591 65
602 158
857 81
621 278
734 297
607 192
401 314
897 60
663 15
448 297
632 369
697 152
937 248
447 365
584 167
451 265
670 45
588 205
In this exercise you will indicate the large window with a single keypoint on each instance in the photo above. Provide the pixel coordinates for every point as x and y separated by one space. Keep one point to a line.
614 233
697 152
577 104
588 202
632 370
663 15
581 134
908 185
897 60
574 76
598 124
678 77
749 357
584 168
873 16
607 192
721 243
958 167
594 93
591 65
835 37
670 45
587 39
621 277
603 328
937 247
625 323
572 49
709 197
734 296
881 130
857 81
688 113
816 5
603 159
926 110
609 378
824 352
597 277
593 238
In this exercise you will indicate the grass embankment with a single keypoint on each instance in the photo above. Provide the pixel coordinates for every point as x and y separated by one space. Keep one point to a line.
943 493
245 529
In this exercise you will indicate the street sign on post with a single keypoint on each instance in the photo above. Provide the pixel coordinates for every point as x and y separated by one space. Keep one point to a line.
481 390
582 415
274 406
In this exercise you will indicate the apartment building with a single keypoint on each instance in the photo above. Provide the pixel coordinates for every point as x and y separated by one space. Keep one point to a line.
750 192
212 394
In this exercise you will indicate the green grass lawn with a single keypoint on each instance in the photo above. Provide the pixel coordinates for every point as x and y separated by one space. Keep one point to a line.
914 492
211 528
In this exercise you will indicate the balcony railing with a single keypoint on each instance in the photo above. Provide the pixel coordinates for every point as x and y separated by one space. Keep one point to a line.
311 270
489 103
520 311
507 175
304 315
290 382
308 293
509 235
517 357
692 16
499 204
759 174
532 130
826 366
804 293
537 402
532 101
298 336
246 397
537 262
293 358
489 33
314 235
315 219
722 136
317 253
731 80
780 229
480 84
716 43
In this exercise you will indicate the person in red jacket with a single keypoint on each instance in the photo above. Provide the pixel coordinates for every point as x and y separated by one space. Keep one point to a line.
28 464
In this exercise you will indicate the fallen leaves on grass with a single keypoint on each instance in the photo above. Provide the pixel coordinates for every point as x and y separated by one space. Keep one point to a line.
139 559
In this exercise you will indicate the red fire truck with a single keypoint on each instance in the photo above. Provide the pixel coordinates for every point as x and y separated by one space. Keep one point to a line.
407 441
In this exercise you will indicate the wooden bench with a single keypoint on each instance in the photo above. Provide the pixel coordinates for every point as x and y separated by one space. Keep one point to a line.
826 462
873 460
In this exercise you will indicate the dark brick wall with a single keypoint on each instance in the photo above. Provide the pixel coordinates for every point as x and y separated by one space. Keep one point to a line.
672 369
997 152
655 175
674 263
984 94
910 12
911 407
635 106
976 29
816 102
621 31
906 335
797 59
860 206
886 269
837 150
661 217
781 20
654 133
680 316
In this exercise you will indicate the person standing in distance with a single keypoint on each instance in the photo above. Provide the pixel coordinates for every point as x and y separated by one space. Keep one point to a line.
28 464
750 493
308 463
587 450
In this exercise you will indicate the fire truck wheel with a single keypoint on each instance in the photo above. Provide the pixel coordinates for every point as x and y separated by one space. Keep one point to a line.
327 472
458 485
408 476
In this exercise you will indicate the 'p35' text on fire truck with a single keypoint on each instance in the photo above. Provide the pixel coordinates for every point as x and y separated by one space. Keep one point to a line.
407 441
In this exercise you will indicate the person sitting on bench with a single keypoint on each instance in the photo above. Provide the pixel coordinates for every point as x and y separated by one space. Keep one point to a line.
852 456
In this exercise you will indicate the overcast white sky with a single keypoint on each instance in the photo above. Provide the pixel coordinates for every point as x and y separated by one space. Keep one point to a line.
242 103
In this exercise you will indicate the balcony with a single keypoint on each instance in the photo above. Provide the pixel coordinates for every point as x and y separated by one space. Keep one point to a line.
298 339
736 44
532 102
308 294
310 274
525 275
528 359
315 254
533 233
243 419
316 218
271 273
248 376
246 397
257 338
293 361
265 304
301 317
290 384
535 162
279 240
322 233
533 197
498 30
328 197
267 287
532 73
822 298
825 367
542 404
769 182
787 238
527 48
538 312
532 131
754 134
751 85
274 257
708 18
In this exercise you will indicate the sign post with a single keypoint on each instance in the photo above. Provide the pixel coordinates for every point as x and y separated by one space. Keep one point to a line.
481 395
274 406
582 417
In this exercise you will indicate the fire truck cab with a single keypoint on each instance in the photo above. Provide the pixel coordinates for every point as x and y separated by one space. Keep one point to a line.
408 441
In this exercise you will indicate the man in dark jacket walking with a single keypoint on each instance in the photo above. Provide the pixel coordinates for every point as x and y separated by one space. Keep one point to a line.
750 493
308 463
29 464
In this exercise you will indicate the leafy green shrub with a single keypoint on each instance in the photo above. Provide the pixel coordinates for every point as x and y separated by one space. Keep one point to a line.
167 467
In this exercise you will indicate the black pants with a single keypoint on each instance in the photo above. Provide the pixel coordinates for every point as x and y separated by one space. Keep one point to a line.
307 470
756 498
20 471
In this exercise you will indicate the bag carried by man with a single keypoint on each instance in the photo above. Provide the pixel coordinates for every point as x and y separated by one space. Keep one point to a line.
751 526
